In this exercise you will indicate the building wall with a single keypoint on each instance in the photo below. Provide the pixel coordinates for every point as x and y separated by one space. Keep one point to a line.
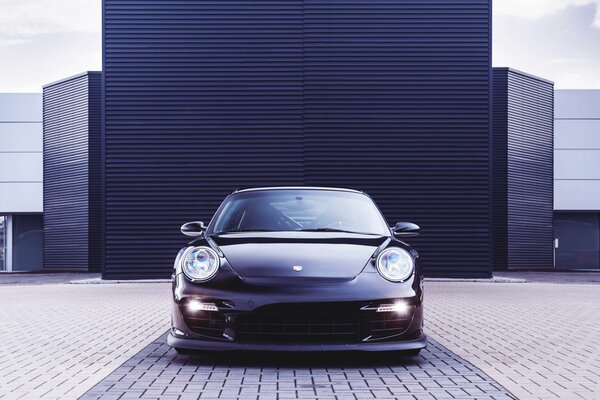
577 179
20 181
20 153
71 173
397 103
203 97
523 170
500 169
577 150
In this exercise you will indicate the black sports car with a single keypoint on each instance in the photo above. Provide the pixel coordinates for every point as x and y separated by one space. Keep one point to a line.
297 269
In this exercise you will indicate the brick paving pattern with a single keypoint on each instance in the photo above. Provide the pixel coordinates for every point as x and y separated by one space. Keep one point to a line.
536 340
158 372
540 341
57 341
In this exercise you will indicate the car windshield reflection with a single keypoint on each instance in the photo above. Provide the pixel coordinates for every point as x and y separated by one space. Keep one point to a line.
281 210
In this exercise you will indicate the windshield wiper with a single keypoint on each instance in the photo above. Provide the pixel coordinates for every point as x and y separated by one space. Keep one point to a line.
333 230
245 230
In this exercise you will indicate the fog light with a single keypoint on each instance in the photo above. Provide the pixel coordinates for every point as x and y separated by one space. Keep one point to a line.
178 332
400 307
196 305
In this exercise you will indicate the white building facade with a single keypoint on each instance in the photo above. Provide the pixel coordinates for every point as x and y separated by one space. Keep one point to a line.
21 171
577 179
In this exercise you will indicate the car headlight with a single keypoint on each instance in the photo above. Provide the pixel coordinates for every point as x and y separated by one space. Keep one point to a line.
396 264
200 263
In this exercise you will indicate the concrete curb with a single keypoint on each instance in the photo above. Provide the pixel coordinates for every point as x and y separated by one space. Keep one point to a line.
99 281
496 279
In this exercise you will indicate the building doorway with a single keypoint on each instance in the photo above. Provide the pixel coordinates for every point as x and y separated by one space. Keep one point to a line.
577 240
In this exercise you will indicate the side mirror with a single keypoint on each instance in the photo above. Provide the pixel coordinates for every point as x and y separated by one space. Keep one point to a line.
193 229
405 229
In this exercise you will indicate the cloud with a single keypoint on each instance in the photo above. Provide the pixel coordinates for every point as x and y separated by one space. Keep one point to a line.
11 42
536 9
568 60
45 40
27 18
47 58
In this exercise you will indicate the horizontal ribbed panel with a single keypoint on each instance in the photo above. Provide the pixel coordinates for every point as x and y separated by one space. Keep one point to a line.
202 97
396 104
95 171
523 130
69 239
500 169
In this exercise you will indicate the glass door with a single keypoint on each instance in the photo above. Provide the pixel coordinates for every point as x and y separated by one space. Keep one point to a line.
578 240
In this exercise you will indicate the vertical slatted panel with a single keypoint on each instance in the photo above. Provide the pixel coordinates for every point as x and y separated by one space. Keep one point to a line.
500 168
530 171
67 173
95 169
202 97
397 104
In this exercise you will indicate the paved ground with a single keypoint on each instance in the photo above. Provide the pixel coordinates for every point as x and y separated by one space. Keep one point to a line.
539 340
534 340
158 372
57 341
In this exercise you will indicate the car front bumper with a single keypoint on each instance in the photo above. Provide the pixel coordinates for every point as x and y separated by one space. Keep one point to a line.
252 317
196 344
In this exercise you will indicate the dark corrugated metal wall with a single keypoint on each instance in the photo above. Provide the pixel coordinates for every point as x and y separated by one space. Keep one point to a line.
202 97
71 173
500 169
397 104
95 170
524 200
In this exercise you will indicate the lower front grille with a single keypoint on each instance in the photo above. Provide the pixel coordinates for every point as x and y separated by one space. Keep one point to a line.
258 327
343 322
384 324
207 323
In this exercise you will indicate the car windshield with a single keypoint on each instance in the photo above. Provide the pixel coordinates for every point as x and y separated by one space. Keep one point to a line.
299 210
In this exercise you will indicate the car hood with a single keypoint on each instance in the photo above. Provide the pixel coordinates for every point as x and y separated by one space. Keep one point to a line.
321 256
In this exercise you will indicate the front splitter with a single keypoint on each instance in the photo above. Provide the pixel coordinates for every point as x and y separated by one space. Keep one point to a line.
195 344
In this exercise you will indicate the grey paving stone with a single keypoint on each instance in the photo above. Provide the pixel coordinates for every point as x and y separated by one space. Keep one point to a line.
308 376
59 340
487 337
532 338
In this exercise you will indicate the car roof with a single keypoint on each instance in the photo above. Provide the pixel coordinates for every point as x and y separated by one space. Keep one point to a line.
297 188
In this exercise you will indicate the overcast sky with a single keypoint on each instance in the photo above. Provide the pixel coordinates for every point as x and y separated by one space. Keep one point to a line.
45 40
